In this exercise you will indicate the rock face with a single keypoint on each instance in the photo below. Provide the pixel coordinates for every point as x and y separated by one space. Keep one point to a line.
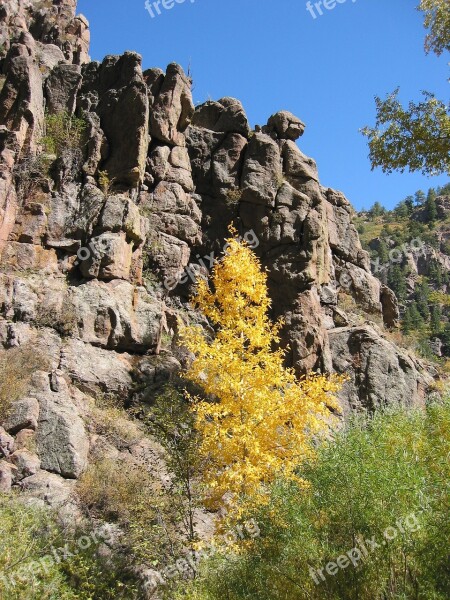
61 439
99 245
374 366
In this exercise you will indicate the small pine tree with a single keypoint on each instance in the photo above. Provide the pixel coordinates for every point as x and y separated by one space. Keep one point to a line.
383 252
402 210
420 198
422 295
431 207
409 203
415 229
435 321
407 323
416 317
377 210
445 337
262 420
397 281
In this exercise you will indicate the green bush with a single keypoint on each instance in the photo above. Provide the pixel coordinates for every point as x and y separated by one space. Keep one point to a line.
63 132
170 421
386 477
40 561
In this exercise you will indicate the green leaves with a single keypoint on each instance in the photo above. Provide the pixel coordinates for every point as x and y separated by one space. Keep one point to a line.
63 132
415 138
437 20
383 480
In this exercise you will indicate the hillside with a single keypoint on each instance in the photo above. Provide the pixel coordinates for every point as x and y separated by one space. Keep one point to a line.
410 252
116 194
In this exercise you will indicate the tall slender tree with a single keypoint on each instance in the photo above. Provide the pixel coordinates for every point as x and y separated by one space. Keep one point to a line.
257 421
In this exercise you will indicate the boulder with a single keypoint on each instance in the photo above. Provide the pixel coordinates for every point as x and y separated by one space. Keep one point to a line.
51 489
380 373
285 126
61 88
296 165
262 174
173 109
117 315
25 439
27 464
29 257
61 439
343 237
7 476
227 163
24 414
116 92
6 444
226 115
96 369
109 258
443 206
361 284
391 310
22 98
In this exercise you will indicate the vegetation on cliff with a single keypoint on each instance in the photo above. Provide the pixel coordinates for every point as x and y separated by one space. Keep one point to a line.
373 525
410 252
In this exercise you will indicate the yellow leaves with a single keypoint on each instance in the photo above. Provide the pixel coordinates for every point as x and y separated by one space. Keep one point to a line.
263 420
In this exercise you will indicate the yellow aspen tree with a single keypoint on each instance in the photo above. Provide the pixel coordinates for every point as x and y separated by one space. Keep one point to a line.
259 420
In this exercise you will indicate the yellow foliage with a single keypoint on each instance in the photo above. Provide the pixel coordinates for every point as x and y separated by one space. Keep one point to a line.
262 420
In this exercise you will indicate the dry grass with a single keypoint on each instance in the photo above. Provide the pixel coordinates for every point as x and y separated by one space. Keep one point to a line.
16 369
63 319
122 492
111 489
234 196
346 302
113 422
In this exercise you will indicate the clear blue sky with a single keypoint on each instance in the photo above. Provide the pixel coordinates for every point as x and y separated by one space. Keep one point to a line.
272 55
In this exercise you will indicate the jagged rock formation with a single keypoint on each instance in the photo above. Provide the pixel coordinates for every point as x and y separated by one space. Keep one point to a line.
93 276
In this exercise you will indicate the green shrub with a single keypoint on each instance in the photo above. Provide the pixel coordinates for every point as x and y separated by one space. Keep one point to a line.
63 132
40 561
170 421
105 182
384 478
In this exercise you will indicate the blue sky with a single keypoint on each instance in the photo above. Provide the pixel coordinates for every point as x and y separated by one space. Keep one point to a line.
273 55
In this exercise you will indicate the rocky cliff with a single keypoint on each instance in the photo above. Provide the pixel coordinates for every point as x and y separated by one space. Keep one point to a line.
100 244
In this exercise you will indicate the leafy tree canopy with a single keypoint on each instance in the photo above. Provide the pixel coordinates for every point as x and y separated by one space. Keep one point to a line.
416 137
